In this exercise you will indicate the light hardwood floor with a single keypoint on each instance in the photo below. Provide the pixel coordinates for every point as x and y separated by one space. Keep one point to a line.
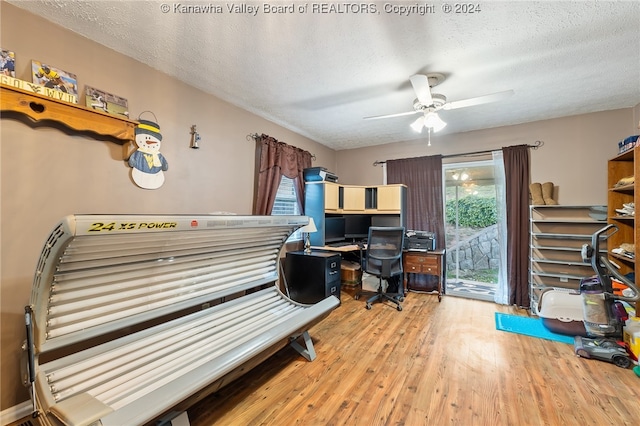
431 364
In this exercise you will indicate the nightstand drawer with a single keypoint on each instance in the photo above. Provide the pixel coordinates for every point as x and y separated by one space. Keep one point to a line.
429 261
430 269
421 262
421 258
417 268
426 263
411 266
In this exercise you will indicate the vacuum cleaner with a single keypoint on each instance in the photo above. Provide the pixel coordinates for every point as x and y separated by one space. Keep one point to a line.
604 314
600 310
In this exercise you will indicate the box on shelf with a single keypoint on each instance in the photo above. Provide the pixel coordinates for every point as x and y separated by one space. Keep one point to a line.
627 144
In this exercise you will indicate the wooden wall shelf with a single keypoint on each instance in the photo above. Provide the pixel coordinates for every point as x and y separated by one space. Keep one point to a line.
42 110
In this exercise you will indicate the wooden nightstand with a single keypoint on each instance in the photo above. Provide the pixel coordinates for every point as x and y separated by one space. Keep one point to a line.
426 263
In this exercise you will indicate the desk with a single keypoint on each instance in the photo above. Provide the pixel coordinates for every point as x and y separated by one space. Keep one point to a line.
354 251
341 249
426 263
348 277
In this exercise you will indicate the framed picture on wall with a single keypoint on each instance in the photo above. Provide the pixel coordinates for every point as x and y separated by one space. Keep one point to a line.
106 102
55 78
7 63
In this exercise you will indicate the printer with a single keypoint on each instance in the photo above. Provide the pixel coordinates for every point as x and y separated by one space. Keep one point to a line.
318 174
420 241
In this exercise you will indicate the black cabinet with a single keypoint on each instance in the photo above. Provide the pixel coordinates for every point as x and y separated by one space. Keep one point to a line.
313 276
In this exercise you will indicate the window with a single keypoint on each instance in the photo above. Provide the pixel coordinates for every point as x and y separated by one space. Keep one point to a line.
286 203
473 229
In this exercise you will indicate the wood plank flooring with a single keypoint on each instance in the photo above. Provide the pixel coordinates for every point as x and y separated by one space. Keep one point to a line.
431 364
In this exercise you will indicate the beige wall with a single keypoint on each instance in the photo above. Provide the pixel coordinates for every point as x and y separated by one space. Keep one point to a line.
47 174
574 155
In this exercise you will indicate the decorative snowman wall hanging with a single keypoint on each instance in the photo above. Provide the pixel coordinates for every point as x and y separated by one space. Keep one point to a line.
147 163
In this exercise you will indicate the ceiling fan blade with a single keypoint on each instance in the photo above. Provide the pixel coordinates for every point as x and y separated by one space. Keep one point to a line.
420 83
479 100
400 114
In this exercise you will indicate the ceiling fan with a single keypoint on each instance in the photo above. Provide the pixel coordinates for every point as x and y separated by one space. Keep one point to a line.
430 103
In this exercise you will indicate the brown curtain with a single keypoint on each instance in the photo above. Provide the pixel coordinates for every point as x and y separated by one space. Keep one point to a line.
425 206
278 159
516 170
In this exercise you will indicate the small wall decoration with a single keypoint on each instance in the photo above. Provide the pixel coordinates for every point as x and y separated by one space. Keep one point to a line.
106 102
56 79
147 163
7 63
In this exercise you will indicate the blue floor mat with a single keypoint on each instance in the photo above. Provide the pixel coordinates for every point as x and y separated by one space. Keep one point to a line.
529 327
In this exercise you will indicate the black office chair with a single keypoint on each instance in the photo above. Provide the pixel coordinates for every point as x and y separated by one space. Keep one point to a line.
384 260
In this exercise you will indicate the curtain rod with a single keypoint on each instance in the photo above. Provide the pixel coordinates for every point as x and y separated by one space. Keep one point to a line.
255 136
536 145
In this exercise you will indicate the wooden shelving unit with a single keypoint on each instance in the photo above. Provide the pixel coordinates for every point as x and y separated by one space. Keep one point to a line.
622 166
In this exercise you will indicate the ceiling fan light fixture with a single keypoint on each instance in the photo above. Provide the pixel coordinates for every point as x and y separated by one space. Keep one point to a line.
433 120
418 124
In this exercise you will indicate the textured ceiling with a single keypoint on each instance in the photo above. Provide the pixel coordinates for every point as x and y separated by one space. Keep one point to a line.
319 72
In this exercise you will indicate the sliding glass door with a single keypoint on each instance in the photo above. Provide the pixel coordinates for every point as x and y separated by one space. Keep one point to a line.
473 231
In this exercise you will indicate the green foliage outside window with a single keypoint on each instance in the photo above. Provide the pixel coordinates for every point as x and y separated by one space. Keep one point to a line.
474 211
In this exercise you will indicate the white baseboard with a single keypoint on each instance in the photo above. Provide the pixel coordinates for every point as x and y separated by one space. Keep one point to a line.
15 413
